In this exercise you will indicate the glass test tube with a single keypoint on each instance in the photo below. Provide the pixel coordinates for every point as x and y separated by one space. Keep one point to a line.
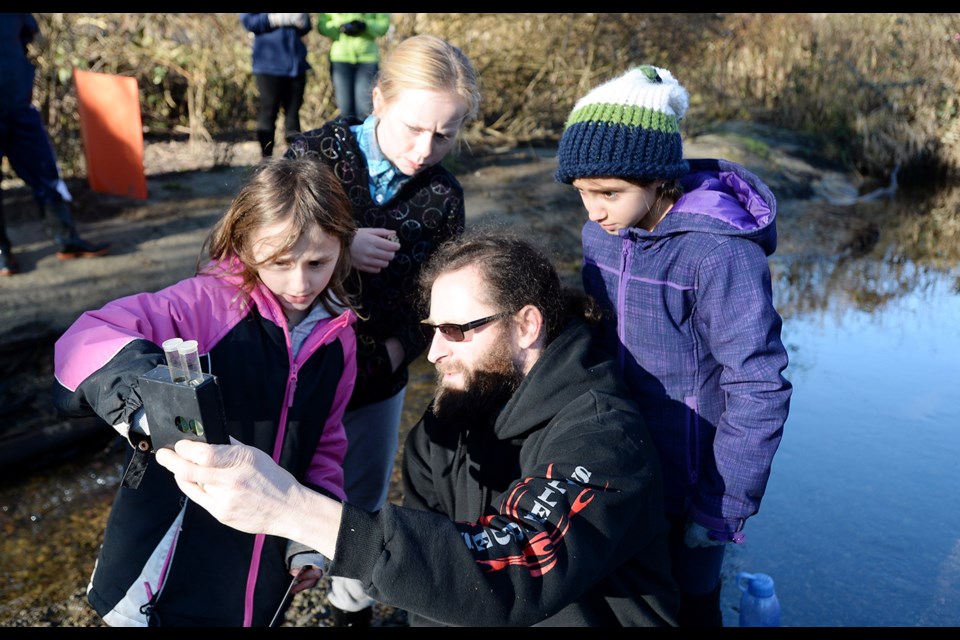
191 360
178 369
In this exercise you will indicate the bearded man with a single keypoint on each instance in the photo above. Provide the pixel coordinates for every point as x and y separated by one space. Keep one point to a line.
532 490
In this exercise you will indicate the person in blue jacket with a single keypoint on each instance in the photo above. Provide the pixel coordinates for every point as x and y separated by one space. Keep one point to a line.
274 323
280 69
676 251
26 145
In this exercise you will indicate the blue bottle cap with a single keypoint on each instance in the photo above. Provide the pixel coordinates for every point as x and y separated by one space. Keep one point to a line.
761 585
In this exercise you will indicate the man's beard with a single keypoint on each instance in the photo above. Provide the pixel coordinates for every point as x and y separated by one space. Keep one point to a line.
486 389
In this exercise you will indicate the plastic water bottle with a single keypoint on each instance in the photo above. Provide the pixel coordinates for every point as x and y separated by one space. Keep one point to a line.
759 606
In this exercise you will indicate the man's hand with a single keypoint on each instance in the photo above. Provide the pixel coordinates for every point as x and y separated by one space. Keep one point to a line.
240 486
373 248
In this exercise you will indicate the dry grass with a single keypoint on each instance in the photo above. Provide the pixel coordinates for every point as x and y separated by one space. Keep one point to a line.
880 89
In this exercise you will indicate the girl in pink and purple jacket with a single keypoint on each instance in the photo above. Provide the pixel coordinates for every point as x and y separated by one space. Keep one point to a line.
274 324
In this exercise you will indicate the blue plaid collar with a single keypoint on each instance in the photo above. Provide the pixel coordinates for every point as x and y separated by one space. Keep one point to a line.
385 178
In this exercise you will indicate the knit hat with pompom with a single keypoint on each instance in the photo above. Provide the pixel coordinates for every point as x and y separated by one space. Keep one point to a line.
628 127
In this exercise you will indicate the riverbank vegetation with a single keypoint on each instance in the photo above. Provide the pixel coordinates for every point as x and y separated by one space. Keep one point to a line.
874 91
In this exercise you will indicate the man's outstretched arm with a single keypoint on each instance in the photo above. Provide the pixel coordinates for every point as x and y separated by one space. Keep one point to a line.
242 487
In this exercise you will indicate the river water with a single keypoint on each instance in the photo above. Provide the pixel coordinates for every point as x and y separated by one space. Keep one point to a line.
860 524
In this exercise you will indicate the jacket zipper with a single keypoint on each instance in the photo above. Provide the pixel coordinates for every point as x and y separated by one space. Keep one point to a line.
621 300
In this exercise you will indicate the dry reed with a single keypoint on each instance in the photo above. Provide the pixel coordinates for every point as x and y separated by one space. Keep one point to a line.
878 89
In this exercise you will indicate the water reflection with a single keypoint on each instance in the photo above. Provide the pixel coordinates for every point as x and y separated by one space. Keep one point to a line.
859 522
909 251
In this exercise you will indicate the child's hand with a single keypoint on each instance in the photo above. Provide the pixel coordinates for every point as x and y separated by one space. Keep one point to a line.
307 578
373 248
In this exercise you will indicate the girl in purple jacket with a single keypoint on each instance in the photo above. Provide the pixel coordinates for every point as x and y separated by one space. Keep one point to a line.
677 251
274 324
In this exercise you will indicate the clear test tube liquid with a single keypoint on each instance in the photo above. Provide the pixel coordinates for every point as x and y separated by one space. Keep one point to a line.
178 370
191 361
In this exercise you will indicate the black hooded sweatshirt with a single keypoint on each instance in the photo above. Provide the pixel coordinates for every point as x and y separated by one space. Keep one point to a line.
552 515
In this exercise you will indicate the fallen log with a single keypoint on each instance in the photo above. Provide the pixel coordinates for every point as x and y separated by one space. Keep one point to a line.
53 443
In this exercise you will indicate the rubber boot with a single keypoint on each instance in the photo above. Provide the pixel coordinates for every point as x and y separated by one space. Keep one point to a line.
8 263
58 223
265 138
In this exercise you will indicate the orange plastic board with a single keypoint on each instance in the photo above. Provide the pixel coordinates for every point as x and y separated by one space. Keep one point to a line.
112 133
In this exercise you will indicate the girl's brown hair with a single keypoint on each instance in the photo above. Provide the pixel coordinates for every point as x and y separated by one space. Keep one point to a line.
300 191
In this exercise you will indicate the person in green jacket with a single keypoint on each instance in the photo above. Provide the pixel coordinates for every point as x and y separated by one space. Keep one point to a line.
354 58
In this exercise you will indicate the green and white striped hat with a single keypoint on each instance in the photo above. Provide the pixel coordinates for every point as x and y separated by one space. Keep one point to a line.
628 127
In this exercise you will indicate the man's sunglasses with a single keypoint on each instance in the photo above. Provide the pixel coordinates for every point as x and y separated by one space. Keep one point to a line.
455 332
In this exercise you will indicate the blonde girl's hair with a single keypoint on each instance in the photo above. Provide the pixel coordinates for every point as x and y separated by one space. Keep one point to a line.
431 63
301 191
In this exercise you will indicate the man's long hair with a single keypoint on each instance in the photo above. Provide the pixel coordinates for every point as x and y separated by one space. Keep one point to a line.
515 273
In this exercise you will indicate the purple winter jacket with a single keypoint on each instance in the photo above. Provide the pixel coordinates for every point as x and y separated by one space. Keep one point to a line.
697 338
